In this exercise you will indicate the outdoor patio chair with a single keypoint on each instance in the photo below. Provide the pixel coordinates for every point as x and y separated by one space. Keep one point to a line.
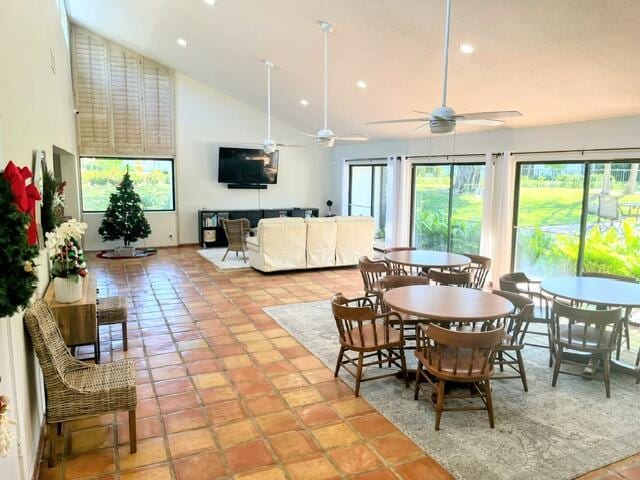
370 335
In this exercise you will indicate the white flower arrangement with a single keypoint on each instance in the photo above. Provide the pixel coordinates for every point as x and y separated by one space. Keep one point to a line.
63 245
7 434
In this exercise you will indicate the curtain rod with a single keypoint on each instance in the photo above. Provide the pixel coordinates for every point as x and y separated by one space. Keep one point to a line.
373 159
409 157
581 151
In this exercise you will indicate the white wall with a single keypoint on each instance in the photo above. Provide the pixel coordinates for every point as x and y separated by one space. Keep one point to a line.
36 111
207 119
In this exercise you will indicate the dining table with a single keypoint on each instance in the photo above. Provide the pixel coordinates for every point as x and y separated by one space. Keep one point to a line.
440 303
597 291
427 259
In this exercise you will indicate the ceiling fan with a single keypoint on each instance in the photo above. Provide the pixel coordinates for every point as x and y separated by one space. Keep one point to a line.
443 119
325 137
269 145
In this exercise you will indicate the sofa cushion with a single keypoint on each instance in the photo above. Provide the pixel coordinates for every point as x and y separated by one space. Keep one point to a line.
354 239
321 242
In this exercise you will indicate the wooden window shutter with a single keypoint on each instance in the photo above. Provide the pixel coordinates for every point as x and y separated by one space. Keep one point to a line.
90 74
126 92
158 108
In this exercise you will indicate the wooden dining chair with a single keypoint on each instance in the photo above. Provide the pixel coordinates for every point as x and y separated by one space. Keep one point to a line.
370 335
479 268
593 332
518 282
454 279
410 269
459 357
627 311
409 322
372 271
515 326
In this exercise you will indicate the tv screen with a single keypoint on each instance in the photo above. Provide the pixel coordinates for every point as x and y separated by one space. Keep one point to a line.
247 165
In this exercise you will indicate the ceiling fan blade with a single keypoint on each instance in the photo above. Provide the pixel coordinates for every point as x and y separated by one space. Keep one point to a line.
480 121
288 145
421 127
312 135
420 111
488 115
403 120
355 137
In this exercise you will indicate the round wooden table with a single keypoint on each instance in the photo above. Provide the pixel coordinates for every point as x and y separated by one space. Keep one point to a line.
427 259
448 304
594 290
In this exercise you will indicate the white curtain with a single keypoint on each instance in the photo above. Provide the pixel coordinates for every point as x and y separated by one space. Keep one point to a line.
344 200
398 202
497 219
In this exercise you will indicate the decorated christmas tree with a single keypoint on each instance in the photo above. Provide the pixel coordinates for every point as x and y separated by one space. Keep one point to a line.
124 217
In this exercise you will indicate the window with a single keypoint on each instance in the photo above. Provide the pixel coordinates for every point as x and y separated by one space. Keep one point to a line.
368 196
153 181
447 206
577 216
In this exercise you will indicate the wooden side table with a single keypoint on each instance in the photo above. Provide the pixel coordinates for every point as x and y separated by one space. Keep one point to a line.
77 321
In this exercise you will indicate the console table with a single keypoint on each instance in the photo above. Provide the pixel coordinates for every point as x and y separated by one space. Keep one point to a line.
77 321
211 233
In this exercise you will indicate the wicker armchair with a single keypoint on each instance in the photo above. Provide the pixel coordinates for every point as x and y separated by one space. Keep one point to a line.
73 388
236 232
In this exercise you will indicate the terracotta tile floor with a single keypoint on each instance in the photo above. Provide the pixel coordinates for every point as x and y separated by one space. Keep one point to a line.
223 392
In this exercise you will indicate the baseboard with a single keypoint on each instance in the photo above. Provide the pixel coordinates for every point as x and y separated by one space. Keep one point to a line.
41 444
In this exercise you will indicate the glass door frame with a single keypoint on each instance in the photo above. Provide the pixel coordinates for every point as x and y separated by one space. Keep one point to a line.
584 214
373 180
412 212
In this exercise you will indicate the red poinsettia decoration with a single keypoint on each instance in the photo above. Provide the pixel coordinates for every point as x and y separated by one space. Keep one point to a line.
24 196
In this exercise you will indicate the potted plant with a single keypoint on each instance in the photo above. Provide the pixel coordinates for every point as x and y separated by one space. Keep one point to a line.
68 265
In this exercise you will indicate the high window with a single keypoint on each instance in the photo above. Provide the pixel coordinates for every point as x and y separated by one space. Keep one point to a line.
577 216
153 179
447 206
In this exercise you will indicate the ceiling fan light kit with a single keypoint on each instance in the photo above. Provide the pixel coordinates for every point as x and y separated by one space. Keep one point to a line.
443 119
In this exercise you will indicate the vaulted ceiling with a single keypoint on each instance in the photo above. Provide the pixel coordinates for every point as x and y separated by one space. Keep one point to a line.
554 60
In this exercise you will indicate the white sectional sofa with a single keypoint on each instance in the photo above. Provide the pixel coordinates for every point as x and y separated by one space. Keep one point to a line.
297 243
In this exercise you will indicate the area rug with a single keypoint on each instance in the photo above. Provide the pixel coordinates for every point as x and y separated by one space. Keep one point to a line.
214 255
547 433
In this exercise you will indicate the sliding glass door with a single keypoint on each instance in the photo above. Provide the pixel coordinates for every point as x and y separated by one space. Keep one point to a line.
368 196
577 216
447 206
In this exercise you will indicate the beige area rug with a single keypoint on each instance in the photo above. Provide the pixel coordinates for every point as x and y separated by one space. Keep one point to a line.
214 255
547 433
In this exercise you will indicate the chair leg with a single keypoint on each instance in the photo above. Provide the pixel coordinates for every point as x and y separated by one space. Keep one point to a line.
626 330
339 362
523 375
244 256
96 348
416 392
380 359
501 360
133 444
439 403
606 358
403 363
125 343
225 255
359 373
556 366
60 429
487 392
52 445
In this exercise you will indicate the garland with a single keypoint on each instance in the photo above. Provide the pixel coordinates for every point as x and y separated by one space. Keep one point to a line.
18 280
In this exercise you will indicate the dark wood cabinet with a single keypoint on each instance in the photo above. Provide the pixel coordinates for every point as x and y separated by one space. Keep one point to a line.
211 233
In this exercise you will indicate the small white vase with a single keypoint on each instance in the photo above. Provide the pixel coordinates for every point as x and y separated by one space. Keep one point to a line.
66 290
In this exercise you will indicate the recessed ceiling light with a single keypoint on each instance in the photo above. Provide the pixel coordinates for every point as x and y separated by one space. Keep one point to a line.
361 84
304 102
210 2
466 48
182 42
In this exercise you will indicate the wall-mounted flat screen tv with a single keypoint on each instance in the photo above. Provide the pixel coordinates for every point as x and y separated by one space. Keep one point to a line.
247 166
